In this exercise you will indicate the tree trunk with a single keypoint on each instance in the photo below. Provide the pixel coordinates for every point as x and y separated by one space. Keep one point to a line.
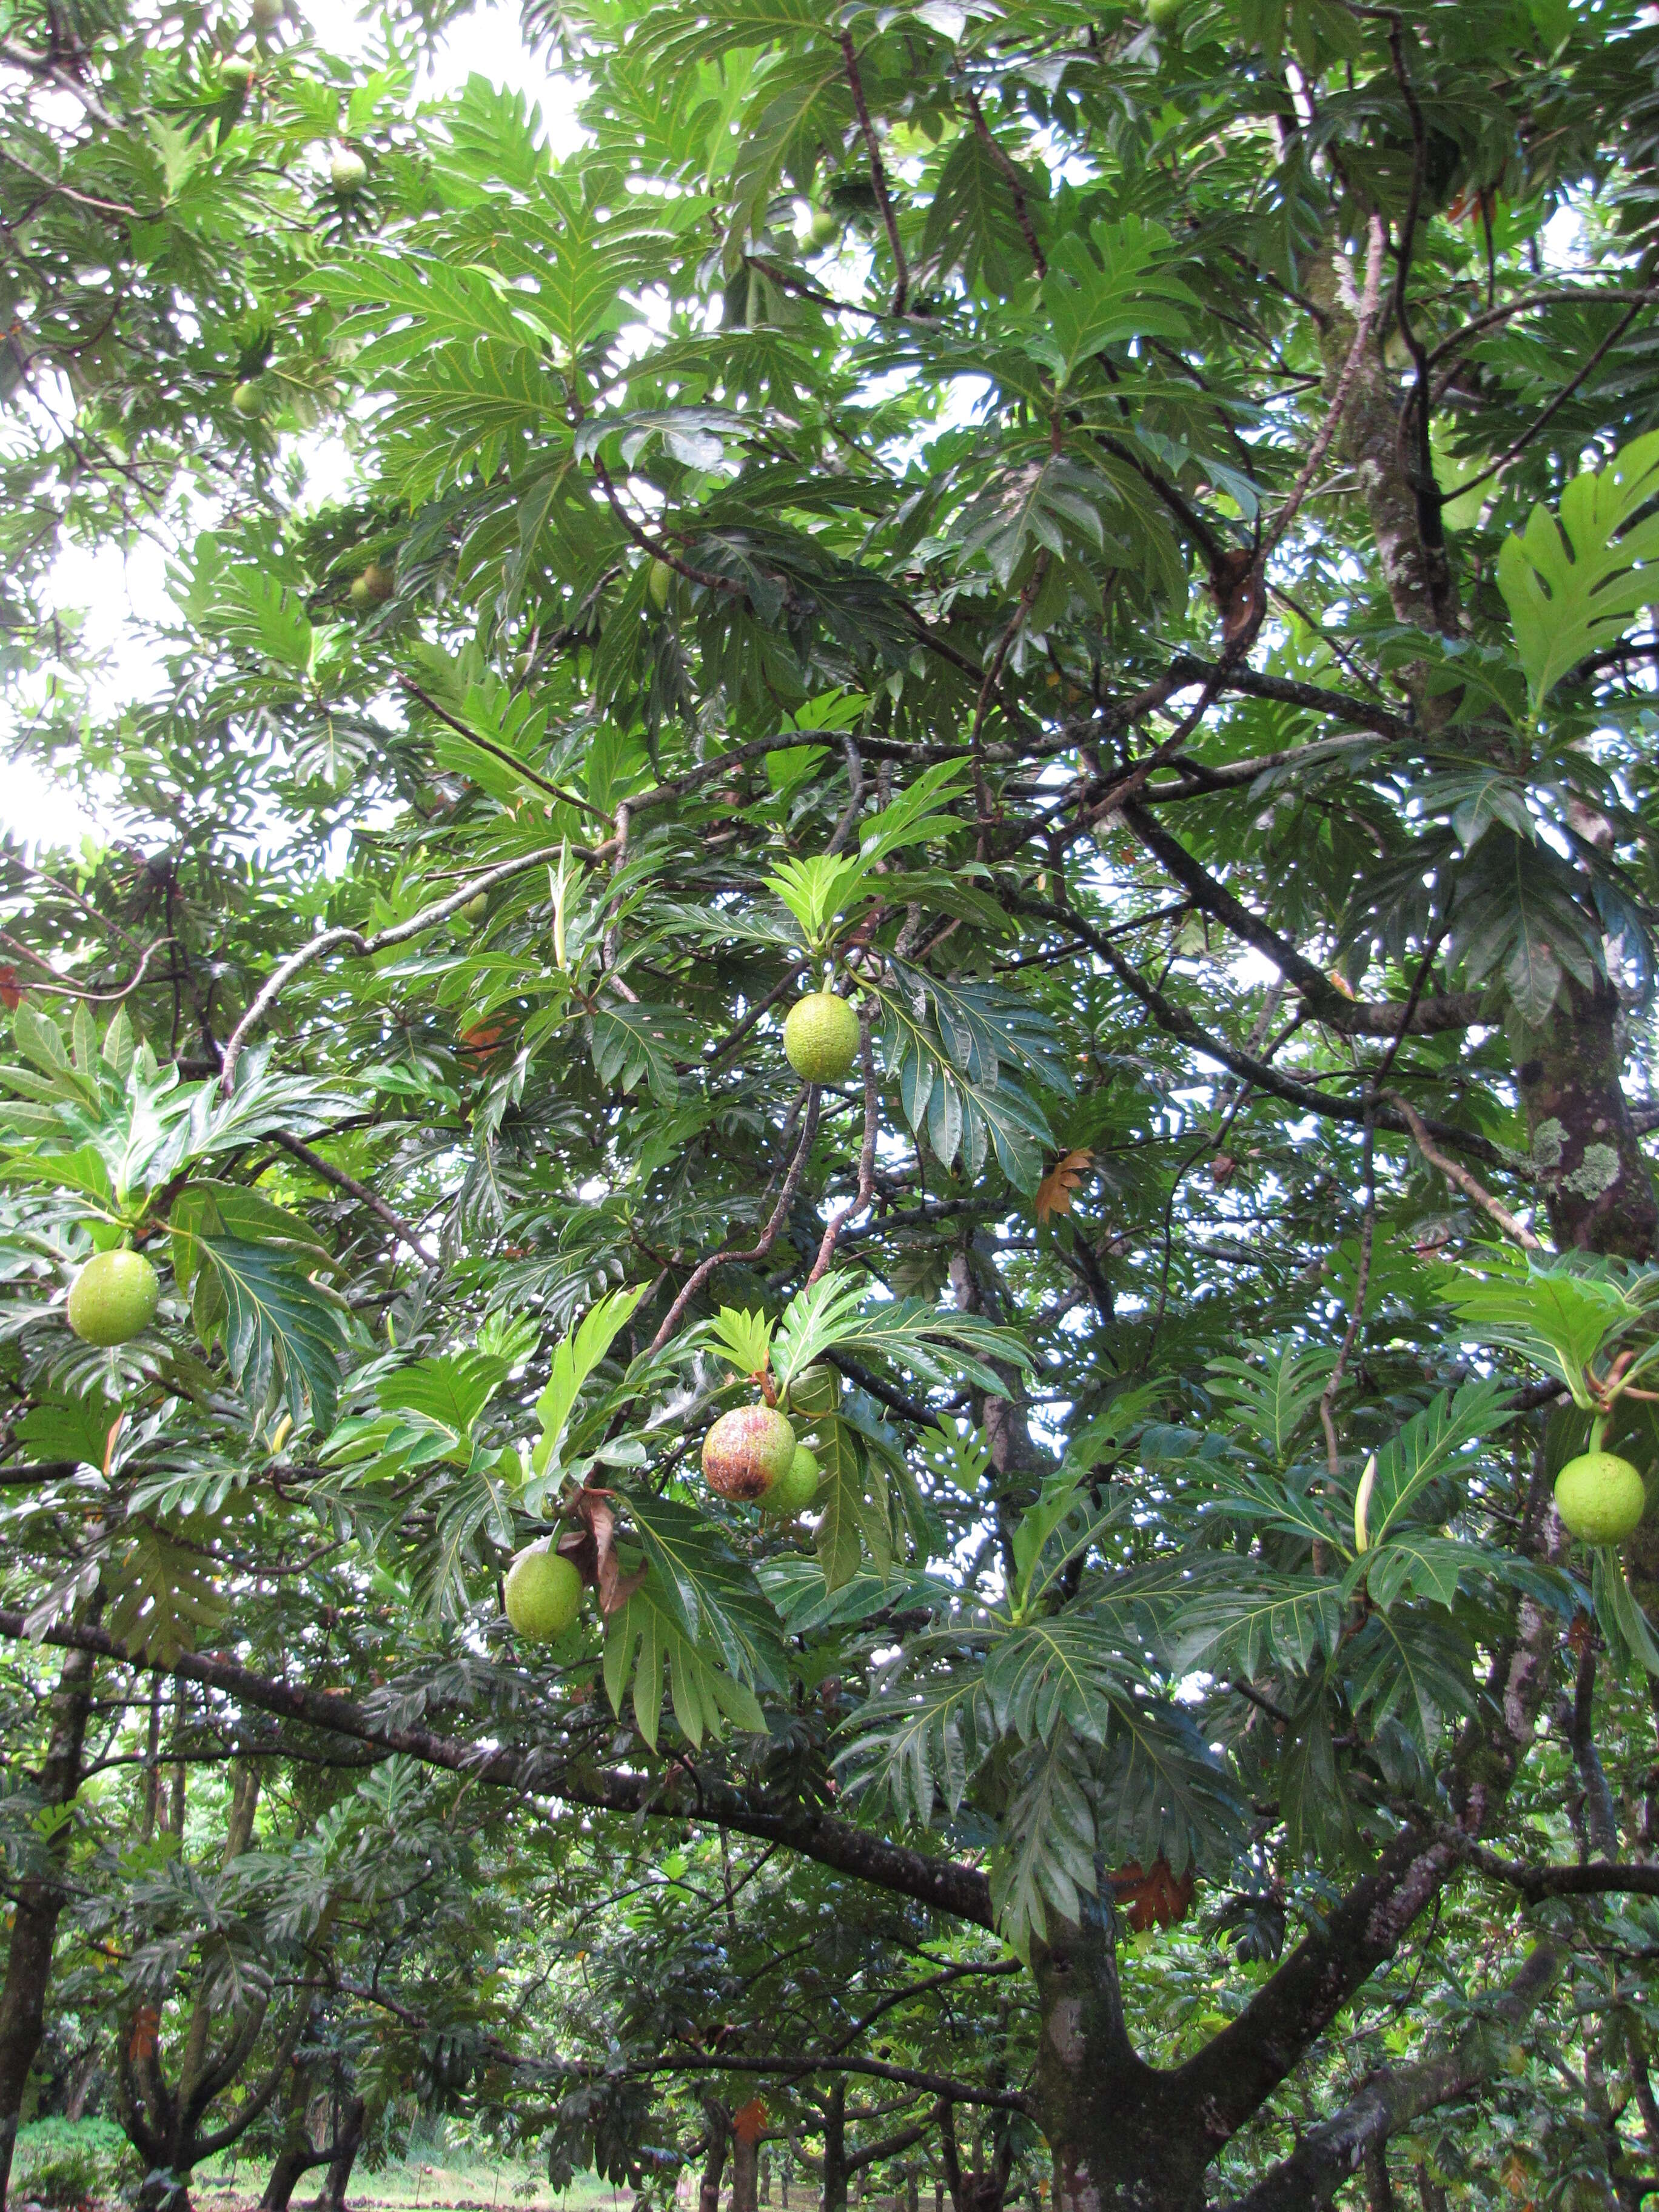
1596 1182
745 2173
1121 2138
297 2153
348 2141
1590 1167
84 2085
293 2161
40 1899
834 2150
713 2164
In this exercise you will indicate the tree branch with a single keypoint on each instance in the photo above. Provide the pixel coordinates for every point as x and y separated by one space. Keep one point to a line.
1333 2151
944 1886
353 1188
878 175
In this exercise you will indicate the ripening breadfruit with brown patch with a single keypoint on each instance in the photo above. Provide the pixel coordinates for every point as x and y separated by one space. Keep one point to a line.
746 1451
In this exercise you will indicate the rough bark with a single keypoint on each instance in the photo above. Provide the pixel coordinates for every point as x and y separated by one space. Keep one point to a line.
745 2174
1405 521
1122 2137
713 2164
1596 1182
1332 2153
343 2154
40 1898
833 2197
1592 1172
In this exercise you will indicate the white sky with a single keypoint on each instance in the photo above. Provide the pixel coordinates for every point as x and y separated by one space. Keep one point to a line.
124 594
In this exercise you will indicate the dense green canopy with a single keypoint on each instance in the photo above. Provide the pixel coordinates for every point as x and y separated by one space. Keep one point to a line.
1121 547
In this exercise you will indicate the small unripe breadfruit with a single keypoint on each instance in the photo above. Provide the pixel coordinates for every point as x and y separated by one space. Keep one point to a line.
237 72
378 584
747 1451
824 228
821 1038
266 15
1599 1497
114 1298
1164 13
247 400
476 909
796 1487
347 173
543 1593
659 583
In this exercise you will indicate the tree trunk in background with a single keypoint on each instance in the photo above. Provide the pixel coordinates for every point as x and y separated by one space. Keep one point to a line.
293 2162
83 2087
297 2153
40 1899
745 2174
713 2164
153 1809
176 1812
348 2141
834 2150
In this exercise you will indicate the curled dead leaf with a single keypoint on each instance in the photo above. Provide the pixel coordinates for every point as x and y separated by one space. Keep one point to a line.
1054 1193
1157 1898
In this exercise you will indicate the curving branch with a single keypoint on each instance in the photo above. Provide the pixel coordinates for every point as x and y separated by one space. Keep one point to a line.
1175 1022
359 1191
335 940
1363 324
943 1884
768 1237
1460 1176
1335 2150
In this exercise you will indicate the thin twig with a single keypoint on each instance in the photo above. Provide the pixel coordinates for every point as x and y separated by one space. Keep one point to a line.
878 176
1118 794
81 199
1345 384
353 1188
60 990
849 813
866 1157
1612 296
768 1236
658 548
489 745
1557 402
1012 177
333 940
1455 1173
1362 1278
736 1035
790 280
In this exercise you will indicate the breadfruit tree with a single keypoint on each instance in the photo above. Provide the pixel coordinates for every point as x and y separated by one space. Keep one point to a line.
888 881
